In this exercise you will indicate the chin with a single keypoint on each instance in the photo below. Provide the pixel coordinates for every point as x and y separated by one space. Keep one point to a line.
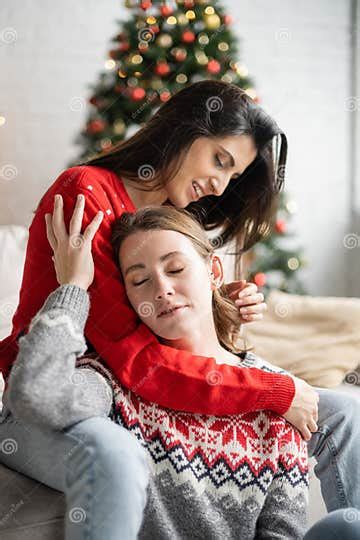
178 201
178 332
168 202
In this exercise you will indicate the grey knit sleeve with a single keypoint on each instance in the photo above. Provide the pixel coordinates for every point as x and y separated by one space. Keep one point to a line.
44 386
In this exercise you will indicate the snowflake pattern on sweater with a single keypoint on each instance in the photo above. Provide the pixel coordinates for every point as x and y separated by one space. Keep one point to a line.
254 464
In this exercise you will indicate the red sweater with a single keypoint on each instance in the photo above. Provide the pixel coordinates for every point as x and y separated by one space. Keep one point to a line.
171 377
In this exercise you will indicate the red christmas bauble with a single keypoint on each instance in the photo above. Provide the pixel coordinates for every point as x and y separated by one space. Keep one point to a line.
260 279
166 10
119 89
188 4
96 126
146 4
280 226
188 36
114 53
228 19
180 55
98 102
213 66
162 68
138 94
124 46
165 96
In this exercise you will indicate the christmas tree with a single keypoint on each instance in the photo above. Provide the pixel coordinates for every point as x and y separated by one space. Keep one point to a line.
274 262
163 46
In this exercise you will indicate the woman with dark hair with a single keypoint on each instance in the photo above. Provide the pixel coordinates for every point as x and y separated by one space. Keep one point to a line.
181 144
213 136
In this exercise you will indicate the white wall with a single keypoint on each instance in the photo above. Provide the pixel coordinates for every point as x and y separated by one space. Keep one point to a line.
297 53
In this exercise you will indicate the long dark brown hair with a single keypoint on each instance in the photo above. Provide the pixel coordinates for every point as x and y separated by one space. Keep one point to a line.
245 211
226 315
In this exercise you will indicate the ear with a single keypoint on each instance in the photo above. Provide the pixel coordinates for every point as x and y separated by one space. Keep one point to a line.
216 272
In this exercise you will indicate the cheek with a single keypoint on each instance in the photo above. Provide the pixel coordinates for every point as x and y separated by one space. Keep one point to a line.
142 304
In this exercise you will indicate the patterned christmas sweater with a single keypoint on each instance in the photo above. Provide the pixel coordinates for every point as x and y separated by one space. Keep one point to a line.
240 476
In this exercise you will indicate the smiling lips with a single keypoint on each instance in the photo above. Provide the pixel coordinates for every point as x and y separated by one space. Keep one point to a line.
197 190
170 311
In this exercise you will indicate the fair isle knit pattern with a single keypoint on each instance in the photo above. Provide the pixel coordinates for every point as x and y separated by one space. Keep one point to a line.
242 477
230 477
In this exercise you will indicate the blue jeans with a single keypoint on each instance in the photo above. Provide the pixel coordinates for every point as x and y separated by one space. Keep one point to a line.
343 524
335 447
102 468
99 465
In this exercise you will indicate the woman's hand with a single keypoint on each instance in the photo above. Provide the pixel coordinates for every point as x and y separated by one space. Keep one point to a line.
250 303
72 252
304 412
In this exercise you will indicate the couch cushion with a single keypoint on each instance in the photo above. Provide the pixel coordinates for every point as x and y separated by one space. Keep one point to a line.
314 338
13 241
29 509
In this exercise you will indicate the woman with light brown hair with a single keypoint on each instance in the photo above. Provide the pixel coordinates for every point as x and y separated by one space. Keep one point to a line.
206 466
232 476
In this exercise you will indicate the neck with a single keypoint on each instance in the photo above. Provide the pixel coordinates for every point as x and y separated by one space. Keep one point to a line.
141 199
208 347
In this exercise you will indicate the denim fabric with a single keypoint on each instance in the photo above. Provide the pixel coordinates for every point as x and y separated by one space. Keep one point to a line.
99 465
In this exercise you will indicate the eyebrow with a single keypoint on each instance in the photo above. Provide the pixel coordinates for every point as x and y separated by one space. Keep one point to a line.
162 258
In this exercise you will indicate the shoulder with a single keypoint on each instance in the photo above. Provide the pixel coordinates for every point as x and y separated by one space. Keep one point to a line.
256 361
81 175
101 185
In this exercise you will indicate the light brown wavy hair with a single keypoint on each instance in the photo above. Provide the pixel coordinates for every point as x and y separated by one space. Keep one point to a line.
226 316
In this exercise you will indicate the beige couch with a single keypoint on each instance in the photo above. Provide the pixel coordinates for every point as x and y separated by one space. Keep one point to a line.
29 509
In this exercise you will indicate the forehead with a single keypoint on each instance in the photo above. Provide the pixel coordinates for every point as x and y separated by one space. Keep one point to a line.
238 150
238 146
144 246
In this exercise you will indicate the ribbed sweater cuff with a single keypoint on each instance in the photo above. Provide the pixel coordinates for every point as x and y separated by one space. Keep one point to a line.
279 395
70 298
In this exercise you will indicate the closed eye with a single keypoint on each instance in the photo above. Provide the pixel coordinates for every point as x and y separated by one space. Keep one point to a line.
221 165
218 162
170 272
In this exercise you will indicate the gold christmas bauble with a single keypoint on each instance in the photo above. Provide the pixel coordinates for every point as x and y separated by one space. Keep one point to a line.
136 59
228 77
201 57
105 143
212 22
203 39
119 126
164 40
182 19
181 78
157 84
223 46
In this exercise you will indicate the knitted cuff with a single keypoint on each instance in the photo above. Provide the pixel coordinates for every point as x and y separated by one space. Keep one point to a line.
280 393
70 298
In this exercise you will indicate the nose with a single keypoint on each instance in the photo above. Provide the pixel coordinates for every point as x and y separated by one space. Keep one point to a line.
163 288
219 186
